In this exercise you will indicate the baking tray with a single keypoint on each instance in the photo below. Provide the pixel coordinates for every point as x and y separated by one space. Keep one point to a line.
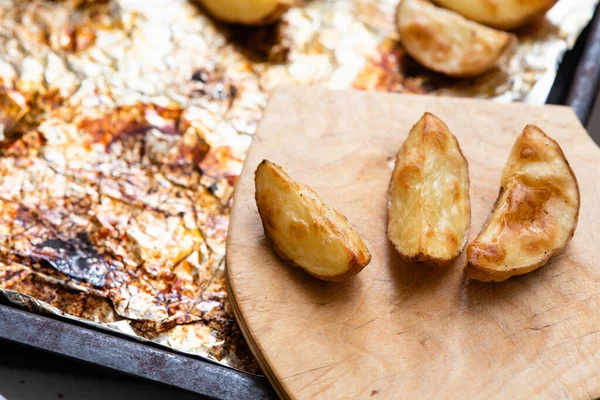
121 353
577 79
576 85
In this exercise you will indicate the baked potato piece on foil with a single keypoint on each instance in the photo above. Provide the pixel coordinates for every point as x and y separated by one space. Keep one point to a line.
446 42
535 215
429 211
246 12
305 230
501 14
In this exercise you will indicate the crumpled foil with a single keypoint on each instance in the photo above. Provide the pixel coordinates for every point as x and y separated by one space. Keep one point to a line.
124 125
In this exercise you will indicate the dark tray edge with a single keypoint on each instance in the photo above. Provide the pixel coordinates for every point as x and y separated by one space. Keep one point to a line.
129 356
582 92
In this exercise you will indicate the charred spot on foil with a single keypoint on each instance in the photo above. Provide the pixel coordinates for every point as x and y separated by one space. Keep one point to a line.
75 257
47 100
24 216
130 121
192 153
265 43
214 188
20 144
74 302
211 83
200 76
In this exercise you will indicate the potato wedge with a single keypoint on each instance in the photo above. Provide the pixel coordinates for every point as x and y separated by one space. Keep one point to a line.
429 211
305 230
446 42
246 12
501 14
535 214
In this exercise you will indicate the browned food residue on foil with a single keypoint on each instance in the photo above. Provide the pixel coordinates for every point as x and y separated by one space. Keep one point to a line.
387 72
123 128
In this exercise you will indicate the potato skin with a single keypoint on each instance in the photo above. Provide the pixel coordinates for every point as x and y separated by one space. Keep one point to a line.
500 14
535 215
304 230
429 210
445 42
247 12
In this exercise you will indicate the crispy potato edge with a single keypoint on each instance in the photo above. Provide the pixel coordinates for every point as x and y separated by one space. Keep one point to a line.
475 272
357 263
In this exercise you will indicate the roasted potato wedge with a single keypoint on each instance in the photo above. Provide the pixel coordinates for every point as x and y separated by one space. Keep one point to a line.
535 214
448 43
429 211
246 12
305 230
501 14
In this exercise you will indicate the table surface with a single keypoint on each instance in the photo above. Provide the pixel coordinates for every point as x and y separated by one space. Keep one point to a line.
30 374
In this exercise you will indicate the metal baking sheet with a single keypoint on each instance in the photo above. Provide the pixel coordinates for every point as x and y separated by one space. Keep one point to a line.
583 90
131 357
82 83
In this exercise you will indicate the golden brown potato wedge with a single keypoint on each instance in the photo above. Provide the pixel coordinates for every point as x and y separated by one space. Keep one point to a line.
448 43
247 12
535 214
305 230
501 14
429 211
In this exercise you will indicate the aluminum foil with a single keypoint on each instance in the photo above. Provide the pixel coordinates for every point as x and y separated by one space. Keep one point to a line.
124 125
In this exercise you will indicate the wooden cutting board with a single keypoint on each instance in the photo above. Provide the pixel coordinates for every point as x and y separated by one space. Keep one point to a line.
407 331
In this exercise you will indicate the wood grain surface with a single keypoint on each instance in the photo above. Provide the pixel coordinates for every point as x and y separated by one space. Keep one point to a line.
407 331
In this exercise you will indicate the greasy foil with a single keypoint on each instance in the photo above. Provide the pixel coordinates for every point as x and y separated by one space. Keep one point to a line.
124 125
